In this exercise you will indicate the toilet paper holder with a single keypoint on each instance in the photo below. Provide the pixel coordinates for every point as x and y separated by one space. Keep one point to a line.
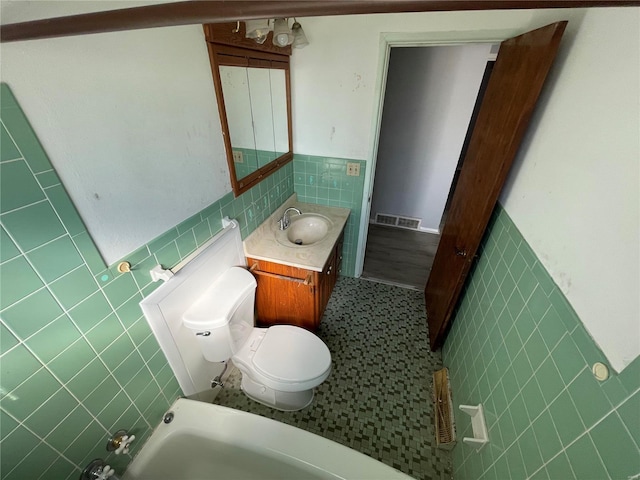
479 426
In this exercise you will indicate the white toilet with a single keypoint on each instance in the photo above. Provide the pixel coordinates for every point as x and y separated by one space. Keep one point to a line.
280 365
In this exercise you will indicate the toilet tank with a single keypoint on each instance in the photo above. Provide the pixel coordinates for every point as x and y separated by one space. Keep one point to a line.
222 318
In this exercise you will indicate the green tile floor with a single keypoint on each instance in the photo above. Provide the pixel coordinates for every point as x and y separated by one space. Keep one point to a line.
78 360
518 347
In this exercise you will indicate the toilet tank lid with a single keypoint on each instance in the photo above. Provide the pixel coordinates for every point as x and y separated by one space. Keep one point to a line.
217 304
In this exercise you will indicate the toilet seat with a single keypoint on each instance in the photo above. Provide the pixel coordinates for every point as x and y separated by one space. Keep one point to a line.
287 358
291 354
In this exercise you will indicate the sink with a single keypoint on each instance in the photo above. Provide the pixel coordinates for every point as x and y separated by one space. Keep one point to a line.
269 243
305 229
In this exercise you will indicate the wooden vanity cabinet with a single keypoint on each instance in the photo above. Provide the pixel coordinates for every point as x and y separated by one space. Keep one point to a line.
294 296
330 274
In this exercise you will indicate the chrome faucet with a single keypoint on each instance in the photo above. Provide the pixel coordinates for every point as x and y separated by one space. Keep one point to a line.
284 222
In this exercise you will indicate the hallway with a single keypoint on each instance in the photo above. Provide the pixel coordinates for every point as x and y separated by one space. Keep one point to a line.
399 256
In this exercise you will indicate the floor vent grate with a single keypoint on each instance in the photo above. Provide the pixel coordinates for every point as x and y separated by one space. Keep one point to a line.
445 423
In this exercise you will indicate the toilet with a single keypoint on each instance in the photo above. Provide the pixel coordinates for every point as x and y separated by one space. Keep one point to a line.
280 365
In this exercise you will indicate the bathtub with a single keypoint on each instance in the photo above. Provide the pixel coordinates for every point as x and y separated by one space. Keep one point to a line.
206 441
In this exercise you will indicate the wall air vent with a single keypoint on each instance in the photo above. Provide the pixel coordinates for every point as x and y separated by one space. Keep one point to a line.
398 221
412 223
383 219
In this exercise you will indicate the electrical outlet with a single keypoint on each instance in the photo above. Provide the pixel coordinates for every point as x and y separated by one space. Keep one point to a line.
353 169
237 157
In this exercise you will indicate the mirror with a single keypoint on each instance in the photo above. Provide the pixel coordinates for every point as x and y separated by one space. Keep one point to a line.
253 93
255 101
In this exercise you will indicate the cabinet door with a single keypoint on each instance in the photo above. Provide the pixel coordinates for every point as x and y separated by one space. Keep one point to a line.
337 267
325 285
329 276
339 245
285 295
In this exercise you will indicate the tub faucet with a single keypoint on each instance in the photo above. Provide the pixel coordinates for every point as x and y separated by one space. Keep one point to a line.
284 222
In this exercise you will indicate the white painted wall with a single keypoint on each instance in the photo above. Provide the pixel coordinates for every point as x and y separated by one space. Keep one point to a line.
574 192
428 103
334 78
130 122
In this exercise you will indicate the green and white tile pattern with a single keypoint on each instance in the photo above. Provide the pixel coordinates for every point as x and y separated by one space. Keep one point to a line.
518 347
77 358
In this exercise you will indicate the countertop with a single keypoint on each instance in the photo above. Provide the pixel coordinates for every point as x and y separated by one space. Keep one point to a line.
262 244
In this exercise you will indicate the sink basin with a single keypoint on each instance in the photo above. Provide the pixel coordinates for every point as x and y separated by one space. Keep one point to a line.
306 229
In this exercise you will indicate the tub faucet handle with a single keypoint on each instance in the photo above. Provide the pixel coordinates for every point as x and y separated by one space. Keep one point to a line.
97 470
107 472
125 443
120 442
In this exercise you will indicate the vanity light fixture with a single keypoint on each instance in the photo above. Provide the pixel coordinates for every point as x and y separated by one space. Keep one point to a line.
299 38
282 34
258 30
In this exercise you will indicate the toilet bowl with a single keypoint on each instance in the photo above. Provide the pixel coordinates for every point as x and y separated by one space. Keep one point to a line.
280 365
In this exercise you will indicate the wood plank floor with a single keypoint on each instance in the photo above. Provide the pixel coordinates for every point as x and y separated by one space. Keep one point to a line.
399 256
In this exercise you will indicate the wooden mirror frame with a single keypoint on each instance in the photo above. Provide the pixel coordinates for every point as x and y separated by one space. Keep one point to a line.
227 45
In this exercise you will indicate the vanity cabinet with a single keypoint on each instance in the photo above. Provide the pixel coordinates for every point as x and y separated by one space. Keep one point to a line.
292 295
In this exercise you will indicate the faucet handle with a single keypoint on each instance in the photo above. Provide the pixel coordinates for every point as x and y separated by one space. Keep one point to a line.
107 472
97 470
125 443
120 442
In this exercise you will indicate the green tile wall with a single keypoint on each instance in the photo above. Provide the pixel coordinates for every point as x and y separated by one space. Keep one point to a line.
324 181
77 358
253 159
249 162
518 347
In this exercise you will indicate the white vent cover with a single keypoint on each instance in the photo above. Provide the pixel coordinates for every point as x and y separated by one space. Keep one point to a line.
383 219
405 222
398 221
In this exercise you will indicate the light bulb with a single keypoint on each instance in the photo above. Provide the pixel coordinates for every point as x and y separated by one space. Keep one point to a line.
282 35
282 39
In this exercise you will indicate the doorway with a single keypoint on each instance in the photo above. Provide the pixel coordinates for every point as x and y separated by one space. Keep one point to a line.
430 97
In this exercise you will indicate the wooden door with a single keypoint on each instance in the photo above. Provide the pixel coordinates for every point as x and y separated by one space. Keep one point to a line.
513 89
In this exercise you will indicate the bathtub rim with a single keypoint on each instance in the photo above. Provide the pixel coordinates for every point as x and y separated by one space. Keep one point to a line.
309 448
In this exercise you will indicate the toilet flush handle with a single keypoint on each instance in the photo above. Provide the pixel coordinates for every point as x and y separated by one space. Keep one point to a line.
203 334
